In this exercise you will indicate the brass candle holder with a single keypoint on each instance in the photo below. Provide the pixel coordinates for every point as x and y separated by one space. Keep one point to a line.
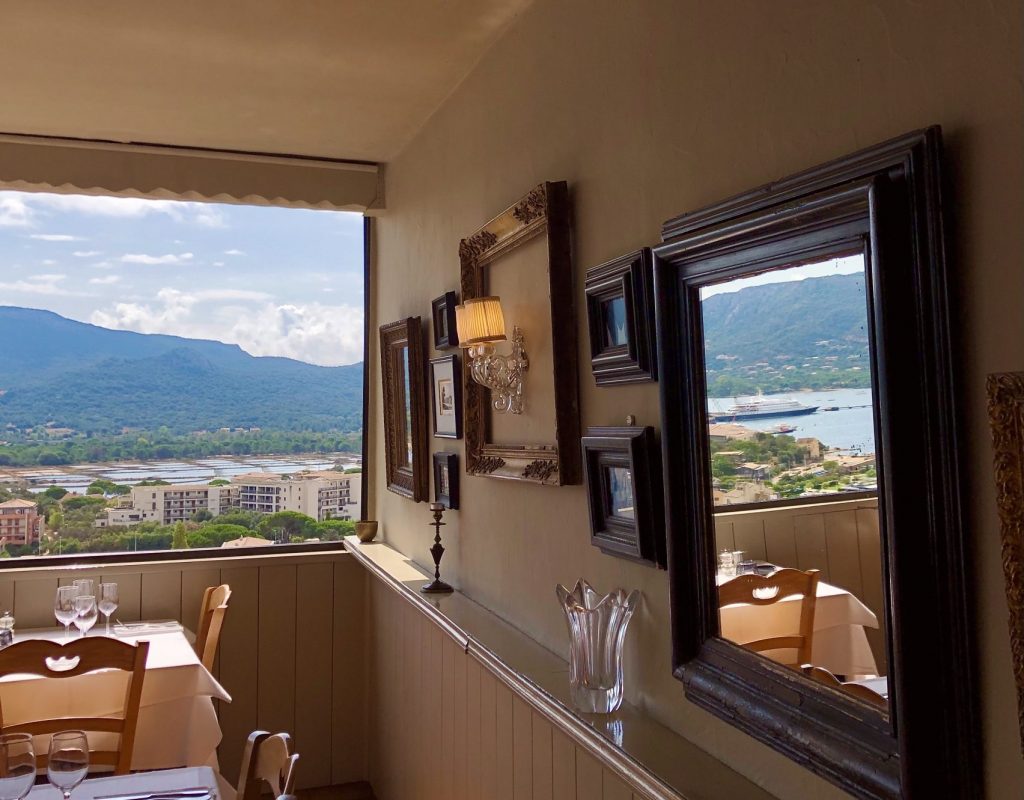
437 586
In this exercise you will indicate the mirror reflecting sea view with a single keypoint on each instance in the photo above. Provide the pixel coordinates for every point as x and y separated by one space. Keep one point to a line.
791 417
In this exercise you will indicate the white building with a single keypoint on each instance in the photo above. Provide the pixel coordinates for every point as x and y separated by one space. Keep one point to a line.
321 495
171 503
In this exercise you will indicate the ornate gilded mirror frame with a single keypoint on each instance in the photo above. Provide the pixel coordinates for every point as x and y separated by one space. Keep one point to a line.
884 202
1006 417
544 211
405 408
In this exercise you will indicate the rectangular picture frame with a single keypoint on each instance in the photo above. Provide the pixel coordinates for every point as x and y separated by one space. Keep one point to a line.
620 318
442 315
622 472
446 480
446 397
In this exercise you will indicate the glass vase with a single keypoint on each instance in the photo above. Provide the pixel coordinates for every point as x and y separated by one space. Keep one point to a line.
597 628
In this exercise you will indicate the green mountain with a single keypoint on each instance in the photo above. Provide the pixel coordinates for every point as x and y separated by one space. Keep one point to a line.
783 337
95 380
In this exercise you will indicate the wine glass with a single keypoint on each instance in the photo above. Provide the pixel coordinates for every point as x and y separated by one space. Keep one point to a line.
69 760
108 604
85 612
85 586
64 607
17 765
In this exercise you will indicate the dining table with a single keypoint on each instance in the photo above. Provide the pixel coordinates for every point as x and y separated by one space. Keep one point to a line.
840 643
177 725
187 783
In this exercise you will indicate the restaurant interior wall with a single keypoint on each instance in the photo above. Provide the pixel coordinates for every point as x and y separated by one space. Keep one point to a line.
659 108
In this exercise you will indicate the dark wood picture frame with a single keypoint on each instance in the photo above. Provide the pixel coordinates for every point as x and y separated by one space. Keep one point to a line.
544 211
886 202
1006 412
642 537
456 370
628 281
405 476
442 321
449 462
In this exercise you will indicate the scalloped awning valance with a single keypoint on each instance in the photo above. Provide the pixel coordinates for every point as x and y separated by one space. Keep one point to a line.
75 166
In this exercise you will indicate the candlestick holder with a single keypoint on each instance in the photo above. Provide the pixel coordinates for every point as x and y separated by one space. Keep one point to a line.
437 586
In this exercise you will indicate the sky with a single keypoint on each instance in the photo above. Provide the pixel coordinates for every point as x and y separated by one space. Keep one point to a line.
275 281
835 266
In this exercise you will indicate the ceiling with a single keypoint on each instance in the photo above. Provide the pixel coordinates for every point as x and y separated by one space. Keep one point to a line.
349 79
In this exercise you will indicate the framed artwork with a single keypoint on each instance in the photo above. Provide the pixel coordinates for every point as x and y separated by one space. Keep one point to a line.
446 480
405 423
622 472
620 316
524 256
442 312
446 394
1005 410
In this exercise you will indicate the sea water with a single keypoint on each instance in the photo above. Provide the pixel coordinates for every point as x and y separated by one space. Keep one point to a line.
850 428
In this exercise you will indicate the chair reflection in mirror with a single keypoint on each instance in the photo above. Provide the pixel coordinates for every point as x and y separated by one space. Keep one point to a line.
852 688
759 590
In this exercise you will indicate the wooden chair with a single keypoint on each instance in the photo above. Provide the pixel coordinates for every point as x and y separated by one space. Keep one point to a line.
861 692
40 657
761 590
267 759
211 619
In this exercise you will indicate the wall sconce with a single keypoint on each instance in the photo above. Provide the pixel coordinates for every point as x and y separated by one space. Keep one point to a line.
480 323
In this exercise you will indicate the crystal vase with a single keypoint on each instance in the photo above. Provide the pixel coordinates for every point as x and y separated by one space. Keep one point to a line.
597 628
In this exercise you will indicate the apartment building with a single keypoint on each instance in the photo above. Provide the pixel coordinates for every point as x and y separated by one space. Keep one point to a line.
20 522
326 494
170 504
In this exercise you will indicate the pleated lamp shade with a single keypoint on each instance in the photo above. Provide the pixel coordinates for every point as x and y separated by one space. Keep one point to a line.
480 320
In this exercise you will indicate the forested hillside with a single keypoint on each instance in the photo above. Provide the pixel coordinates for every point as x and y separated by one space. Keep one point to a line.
66 374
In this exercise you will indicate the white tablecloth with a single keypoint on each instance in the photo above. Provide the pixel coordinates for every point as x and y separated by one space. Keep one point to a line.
177 725
840 644
164 781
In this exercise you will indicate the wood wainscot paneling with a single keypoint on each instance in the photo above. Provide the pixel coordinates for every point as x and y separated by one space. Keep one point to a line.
292 651
466 707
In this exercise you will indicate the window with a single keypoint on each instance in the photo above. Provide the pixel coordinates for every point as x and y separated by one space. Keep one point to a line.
182 370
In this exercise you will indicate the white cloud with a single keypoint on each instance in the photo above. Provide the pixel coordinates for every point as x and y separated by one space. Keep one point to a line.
13 211
102 265
169 258
210 216
47 284
49 262
105 280
54 237
218 263
315 333
86 253
234 252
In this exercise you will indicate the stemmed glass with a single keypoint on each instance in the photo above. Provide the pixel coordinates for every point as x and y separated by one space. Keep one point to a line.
85 586
85 612
17 765
108 604
69 760
64 607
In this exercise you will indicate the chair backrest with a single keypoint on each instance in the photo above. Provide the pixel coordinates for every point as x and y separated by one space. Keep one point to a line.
861 692
56 660
211 619
267 759
760 590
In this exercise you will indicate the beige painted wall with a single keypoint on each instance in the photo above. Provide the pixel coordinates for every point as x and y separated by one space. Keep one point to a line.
650 109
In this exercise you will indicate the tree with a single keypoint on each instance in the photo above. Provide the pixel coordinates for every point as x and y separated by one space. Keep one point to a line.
55 520
179 539
55 492
202 515
219 482
282 526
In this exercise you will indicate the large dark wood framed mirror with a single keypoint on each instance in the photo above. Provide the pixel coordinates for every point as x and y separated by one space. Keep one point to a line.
816 551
